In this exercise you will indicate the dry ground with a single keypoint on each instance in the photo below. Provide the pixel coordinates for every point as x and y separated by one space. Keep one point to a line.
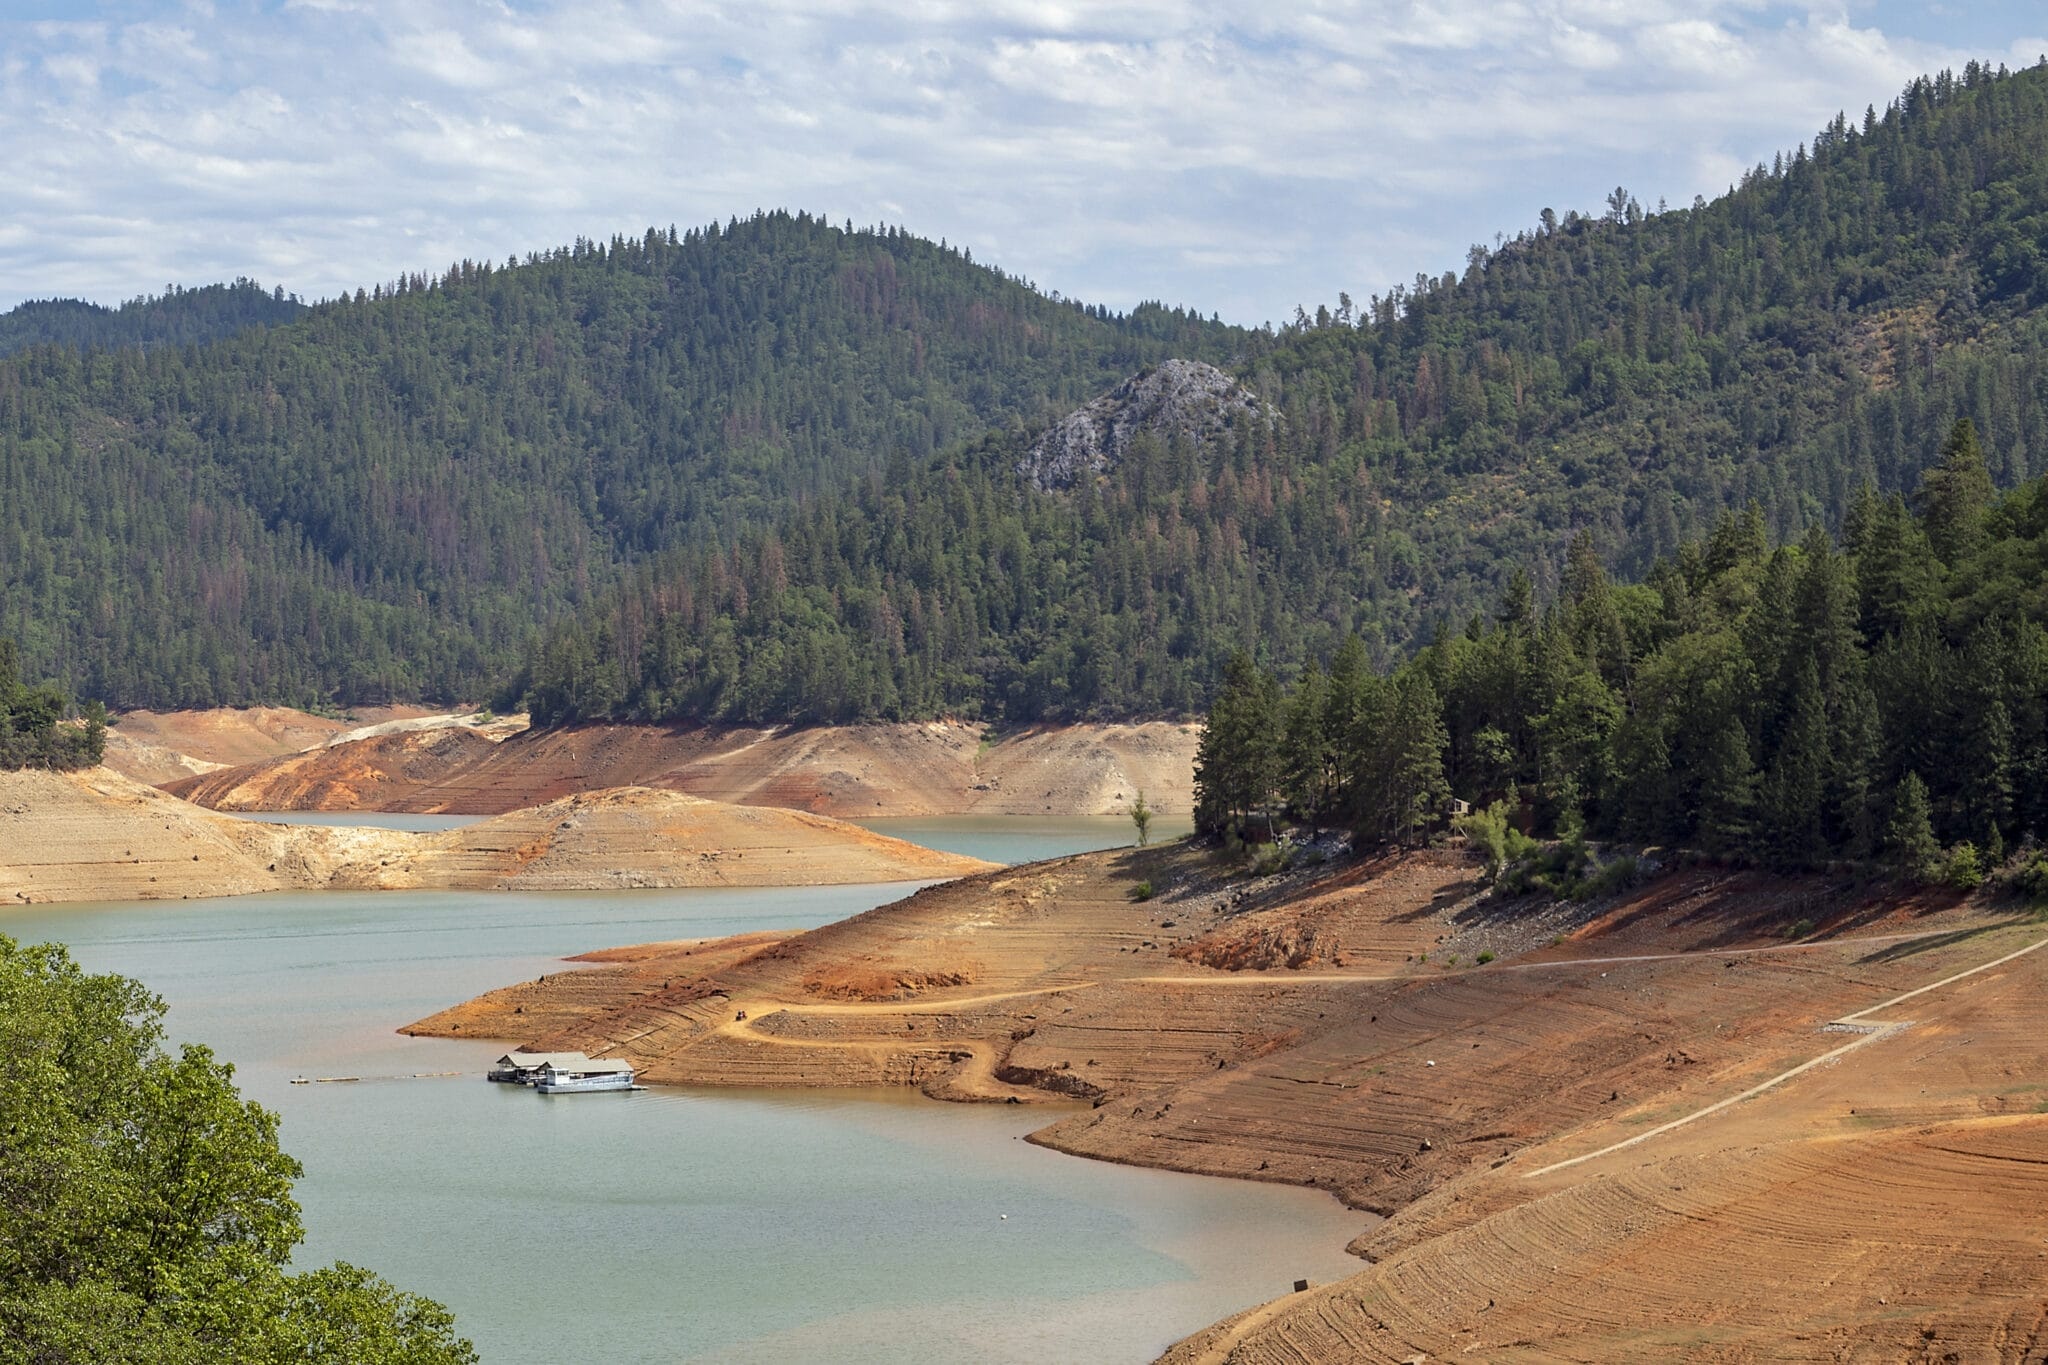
164 746
1333 1028
859 771
100 836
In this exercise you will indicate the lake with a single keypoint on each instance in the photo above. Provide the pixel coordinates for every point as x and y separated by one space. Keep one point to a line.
671 1225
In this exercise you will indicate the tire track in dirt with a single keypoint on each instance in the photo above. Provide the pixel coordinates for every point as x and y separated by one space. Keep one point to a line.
1871 1033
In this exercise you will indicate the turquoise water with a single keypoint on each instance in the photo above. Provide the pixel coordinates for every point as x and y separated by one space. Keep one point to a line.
677 1224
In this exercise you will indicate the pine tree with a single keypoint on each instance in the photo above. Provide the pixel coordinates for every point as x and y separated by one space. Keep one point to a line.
1909 838
1727 789
1417 751
1305 758
1345 690
1793 795
1141 818
1237 761
1897 575
1955 493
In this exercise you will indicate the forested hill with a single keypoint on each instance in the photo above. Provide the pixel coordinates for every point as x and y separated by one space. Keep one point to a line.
177 317
390 495
1633 375
771 471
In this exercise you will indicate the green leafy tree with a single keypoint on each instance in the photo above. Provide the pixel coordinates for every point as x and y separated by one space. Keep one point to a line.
1141 818
145 1208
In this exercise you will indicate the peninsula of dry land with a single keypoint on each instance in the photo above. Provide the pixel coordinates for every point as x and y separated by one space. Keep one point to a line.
96 835
1722 1116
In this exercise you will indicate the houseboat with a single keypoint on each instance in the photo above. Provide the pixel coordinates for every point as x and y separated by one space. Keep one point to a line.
520 1067
576 1077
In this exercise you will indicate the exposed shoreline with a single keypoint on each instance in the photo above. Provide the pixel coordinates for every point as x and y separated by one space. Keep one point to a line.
1331 1028
97 836
446 766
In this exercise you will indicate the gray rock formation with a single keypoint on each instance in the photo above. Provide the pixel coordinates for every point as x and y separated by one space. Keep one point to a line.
1183 397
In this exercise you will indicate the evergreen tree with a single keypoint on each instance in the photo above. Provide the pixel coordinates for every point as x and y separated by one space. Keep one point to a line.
1909 838
1727 790
1306 758
1793 805
1955 493
1237 762
1414 752
1141 818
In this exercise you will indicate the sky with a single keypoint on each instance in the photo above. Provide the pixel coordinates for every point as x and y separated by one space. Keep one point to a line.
1240 159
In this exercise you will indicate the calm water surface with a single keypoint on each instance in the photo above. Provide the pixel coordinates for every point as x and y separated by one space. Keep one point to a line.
370 819
1024 839
679 1224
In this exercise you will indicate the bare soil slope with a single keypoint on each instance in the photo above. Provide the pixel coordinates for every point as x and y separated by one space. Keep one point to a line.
163 746
100 836
849 771
1888 1205
1878 1192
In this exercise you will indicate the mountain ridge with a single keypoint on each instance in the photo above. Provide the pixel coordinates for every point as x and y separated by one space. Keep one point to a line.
768 472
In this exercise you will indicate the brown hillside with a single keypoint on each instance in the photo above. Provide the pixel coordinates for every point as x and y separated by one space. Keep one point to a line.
99 836
164 746
1389 1068
849 771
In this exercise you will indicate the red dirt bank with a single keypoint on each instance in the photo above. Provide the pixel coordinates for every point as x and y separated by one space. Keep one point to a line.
1894 1198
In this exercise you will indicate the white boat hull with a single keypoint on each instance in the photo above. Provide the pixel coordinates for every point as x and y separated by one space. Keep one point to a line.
584 1085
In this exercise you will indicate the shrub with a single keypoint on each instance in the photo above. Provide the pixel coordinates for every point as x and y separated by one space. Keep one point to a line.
1618 875
1556 870
1271 858
1489 834
1486 957
2032 880
1142 891
1799 928
1962 869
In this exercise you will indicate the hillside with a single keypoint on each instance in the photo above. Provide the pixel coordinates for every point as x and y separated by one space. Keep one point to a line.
386 497
180 317
782 472
854 772
97 836
1633 376
1541 1097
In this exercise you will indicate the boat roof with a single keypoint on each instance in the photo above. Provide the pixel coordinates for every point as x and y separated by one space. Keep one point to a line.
588 1067
521 1058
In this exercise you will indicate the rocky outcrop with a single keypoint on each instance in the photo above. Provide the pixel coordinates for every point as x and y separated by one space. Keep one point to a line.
1177 398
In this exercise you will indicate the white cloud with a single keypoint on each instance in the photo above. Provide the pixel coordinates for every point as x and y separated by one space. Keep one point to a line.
1237 159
